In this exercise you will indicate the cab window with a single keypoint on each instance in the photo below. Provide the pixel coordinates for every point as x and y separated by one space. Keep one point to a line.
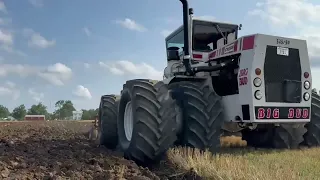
176 41
206 35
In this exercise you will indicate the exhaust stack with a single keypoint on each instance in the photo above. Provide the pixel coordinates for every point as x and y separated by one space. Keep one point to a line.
185 8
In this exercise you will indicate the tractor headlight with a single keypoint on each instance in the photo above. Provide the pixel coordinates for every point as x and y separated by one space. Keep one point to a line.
306 96
258 94
306 85
257 82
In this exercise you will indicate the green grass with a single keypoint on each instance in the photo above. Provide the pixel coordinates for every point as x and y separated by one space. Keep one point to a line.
250 164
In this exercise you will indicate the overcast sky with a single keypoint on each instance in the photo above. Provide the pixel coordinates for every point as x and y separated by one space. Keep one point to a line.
79 50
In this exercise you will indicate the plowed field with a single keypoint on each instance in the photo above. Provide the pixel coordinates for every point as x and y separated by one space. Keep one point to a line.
60 150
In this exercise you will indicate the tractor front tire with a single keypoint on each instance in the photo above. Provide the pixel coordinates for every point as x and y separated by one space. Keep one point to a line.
312 137
288 136
202 112
146 107
108 121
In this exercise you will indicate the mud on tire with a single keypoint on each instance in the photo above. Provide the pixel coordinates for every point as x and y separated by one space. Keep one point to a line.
108 121
154 125
202 113
312 137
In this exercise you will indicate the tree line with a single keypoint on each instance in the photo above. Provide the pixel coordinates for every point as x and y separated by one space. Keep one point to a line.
63 111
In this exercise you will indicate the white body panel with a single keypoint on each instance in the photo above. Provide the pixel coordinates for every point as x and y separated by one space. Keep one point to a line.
254 58
261 41
252 51
232 107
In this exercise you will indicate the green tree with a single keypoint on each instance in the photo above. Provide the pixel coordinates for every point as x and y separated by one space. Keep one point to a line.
59 104
4 112
50 116
89 114
19 112
38 109
64 109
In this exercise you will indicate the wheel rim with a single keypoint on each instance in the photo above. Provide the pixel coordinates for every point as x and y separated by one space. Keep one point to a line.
128 121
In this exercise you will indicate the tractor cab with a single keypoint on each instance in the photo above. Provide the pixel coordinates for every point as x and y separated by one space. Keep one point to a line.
206 36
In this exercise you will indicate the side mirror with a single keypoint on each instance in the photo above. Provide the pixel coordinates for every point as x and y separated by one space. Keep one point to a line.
173 53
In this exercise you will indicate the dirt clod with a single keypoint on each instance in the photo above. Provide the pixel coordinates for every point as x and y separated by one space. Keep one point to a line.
5 172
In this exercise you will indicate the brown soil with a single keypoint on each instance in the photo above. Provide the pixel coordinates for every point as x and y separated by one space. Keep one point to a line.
62 150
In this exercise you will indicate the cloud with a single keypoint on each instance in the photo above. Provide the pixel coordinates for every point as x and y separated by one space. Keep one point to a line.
56 74
165 32
173 21
36 3
36 40
112 69
141 70
10 89
10 84
206 17
4 91
87 31
311 34
40 42
298 15
315 81
3 7
86 65
5 21
131 24
282 13
10 49
6 38
36 95
7 42
82 92
18 69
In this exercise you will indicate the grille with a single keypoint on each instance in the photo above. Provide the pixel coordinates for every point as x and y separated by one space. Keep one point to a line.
282 76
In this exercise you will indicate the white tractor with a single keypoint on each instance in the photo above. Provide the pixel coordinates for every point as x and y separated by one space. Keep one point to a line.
259 85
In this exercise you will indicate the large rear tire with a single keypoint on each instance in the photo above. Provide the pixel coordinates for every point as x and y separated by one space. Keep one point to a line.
284 136
108 121
288 136
202 113
146 108
312 137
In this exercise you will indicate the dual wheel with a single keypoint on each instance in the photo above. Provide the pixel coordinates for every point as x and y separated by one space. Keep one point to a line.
289 136
147 120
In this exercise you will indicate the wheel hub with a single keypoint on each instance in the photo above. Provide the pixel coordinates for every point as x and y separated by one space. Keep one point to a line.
128 121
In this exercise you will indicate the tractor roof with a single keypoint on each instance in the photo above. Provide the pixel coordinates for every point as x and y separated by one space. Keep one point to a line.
199 20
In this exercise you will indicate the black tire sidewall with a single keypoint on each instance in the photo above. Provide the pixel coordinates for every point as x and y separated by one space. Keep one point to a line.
101 122
312 136
179 93
108 127
146 146
125 98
